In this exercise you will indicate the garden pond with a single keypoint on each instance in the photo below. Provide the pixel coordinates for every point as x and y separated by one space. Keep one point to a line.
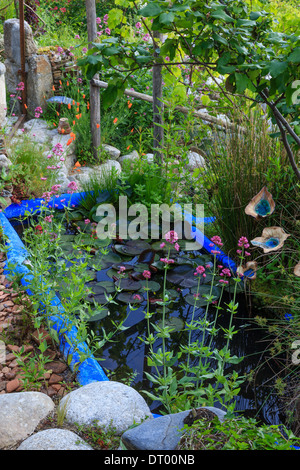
114 269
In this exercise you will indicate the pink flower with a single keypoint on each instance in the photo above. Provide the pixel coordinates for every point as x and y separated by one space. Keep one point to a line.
177 247
77 36
43 178
147 274
137 297
107 31
72 187
98 20
121 269
87 221
138 25
167 261
162 245
217 240
171 236
199 270
243 242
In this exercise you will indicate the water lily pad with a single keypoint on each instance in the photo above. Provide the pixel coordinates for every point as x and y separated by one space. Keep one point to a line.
198 301
128 267
112 273
135 247
128 284
120 249
205 290
177 324
147 256
152 285
180 273
98 315
109 286
129 298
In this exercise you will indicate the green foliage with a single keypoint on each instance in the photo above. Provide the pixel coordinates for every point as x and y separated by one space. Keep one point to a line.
236 434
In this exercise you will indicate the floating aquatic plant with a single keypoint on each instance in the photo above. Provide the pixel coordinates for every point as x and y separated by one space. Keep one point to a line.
272 239
261 205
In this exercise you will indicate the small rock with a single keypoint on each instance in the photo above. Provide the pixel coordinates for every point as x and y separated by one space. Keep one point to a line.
113 152
56 367
54 439
5 162
55 379
12 385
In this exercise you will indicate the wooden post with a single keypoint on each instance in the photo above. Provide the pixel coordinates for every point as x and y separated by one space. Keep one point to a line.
158 107
22 56
90 6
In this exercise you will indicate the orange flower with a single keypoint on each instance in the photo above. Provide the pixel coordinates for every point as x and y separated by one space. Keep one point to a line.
77 165
77 110
62 131
54 124
25 105
83 96
73 101
78 116
69 106
73 135
88 105
69 141
98 125
60 82
115 120
57 113
67 82
132 130
128 147
73 123
78 104
53 87
129 104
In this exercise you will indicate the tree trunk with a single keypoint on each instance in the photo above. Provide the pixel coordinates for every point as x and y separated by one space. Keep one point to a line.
158 107
94 92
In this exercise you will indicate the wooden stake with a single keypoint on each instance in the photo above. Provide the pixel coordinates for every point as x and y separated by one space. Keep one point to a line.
158 106
90 6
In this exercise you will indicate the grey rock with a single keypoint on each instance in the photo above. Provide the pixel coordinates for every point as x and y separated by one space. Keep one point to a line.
54 439
98 171
11 29
195 161
106 404
20 413
39 81
113 152
4 162
162 433
129 157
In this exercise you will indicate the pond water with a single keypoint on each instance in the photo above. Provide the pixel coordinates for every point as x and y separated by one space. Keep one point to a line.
127 354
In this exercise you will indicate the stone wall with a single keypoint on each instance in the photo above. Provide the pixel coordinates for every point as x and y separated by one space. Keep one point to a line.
37 67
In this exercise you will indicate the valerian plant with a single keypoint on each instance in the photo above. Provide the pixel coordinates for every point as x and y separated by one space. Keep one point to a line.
222 37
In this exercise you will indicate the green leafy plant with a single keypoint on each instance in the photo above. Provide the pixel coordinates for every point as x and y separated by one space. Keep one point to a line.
236 434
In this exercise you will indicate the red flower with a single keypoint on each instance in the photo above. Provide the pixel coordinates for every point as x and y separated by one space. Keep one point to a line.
39 229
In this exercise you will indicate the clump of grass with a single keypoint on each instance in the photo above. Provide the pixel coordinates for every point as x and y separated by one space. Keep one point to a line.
239 166
29 170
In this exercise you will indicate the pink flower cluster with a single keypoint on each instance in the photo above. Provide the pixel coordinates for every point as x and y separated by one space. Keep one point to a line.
147 274
243 243
200 270
37 112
